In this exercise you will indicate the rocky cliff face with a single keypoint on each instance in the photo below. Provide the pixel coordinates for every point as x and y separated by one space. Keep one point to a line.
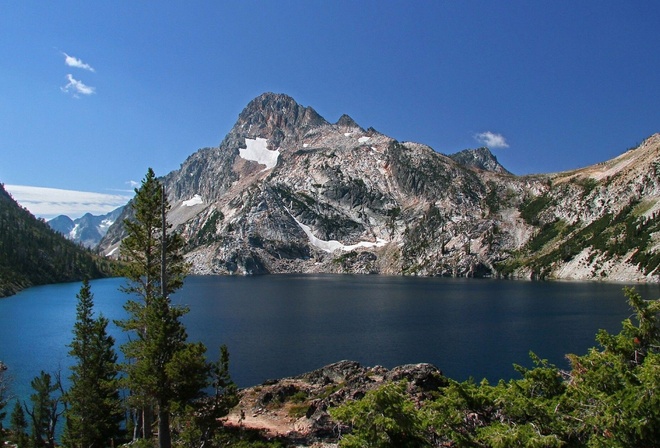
287 191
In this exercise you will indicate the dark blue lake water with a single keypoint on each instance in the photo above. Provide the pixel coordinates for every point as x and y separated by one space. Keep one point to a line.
278 326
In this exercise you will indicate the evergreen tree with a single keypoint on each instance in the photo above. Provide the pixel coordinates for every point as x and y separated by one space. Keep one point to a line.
31 253
45 411
18 427
163 369
94 411
197 422
4 388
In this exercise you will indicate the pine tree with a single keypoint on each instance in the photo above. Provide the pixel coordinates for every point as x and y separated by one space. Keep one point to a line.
94 412
4 388
197 422
45 411
163 369
18 426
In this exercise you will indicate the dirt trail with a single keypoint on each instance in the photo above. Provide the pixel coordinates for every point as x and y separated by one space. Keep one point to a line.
271 424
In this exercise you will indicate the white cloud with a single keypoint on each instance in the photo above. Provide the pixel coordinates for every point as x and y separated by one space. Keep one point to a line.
491 140
132 183
75 87
77 63
48 203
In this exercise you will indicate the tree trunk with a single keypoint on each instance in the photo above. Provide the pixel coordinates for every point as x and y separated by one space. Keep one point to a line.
147 421
164 436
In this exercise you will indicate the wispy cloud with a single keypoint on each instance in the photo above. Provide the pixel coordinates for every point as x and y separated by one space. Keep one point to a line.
76 87
77 63
48 203
491 139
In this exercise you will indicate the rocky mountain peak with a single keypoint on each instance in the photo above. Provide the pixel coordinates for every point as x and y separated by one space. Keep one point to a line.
480 158
87 230
347 122
286 191
276 116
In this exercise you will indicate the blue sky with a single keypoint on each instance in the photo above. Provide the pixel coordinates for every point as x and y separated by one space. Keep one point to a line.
94 93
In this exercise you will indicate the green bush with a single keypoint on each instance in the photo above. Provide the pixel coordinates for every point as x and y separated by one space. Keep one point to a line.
609 398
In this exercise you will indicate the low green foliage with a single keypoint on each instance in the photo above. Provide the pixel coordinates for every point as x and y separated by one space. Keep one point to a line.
208 233
588 184
385 417
612 235
493 199
530 210
547 233
609 398
298 410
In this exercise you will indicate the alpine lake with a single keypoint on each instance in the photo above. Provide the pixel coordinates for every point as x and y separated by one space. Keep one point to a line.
284 325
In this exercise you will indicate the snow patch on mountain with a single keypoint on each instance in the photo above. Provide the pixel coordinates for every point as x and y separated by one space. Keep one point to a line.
105 225
257 151
195 200
333 245
364 139
75 232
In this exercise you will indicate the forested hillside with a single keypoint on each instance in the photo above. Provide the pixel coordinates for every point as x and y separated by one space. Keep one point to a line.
33 254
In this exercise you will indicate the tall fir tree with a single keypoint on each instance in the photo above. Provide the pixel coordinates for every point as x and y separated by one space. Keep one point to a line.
4 393
18 427
93 407
45 411
162 368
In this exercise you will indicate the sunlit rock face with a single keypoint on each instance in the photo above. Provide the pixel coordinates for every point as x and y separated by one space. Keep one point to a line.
288 191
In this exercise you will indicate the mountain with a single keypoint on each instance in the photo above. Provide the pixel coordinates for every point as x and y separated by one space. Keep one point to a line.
288 191
87 230
62 224
480 158
31 253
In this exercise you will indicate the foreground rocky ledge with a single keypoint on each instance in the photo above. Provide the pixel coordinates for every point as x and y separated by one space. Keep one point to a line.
296 409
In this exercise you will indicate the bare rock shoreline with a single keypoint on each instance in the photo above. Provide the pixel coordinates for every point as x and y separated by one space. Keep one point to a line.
295 409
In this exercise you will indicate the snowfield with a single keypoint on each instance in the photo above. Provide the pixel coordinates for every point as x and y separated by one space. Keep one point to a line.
257 151
333 245
195 200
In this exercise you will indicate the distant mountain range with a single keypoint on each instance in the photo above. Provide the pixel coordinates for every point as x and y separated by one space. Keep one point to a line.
87 230
31 253
288 191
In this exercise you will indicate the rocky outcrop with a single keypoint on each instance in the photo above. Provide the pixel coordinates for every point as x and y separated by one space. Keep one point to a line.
287 191
480 158
296 409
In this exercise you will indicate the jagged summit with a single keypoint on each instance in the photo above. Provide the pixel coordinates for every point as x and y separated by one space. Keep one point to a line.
276 116
346 121
480 158
87 230
286 191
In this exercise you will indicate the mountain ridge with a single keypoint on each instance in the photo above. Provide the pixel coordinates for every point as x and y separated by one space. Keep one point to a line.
31 253
288 191
87 230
